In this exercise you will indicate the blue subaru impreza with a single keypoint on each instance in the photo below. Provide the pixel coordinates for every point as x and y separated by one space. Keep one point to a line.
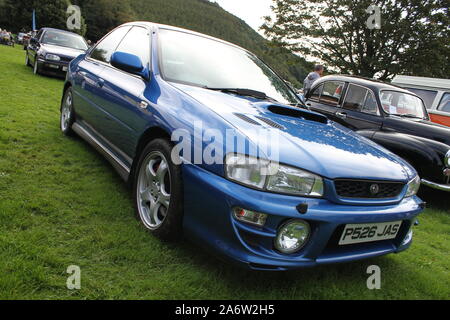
216 146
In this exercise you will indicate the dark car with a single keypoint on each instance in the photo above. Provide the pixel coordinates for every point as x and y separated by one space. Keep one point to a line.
391 116
51 50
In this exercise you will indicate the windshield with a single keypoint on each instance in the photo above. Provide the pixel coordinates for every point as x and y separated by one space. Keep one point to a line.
199 61
402 104
64 40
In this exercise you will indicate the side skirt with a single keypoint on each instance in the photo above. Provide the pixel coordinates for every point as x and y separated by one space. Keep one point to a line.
121 168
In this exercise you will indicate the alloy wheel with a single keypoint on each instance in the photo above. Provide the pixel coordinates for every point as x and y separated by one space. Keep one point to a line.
153 190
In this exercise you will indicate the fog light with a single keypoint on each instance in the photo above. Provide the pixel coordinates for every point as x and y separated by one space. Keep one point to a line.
252 217
292 236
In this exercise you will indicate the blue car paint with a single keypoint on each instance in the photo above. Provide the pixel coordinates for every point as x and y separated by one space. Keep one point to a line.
107 103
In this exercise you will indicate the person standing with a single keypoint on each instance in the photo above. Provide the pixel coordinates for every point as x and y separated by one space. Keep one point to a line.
312 76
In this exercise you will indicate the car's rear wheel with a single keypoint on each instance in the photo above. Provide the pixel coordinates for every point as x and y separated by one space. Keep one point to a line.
157 191
67 113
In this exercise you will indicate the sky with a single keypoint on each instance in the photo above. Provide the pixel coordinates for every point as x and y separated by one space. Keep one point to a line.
251 11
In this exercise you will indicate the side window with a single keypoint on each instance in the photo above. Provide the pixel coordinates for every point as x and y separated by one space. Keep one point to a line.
137 42
360 99
315 95
331 93
371 105
104 50
445 103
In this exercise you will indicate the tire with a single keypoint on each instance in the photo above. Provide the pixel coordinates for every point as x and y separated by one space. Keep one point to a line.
67 117
36 69
158 191
27 60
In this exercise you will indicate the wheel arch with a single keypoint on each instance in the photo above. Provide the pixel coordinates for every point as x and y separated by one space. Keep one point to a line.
150 134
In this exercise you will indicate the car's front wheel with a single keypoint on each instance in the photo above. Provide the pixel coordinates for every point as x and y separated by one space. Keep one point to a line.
67 113
158 191
27 60
36 69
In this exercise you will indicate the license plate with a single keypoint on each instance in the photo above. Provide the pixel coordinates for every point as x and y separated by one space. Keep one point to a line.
359 233
64 68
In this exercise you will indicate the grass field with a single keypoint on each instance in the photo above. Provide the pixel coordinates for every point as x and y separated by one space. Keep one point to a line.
61 204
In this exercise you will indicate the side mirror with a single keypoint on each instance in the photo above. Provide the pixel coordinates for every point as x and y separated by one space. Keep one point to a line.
129 63
33 41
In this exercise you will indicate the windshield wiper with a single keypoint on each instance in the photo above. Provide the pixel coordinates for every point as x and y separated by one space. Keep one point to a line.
244 92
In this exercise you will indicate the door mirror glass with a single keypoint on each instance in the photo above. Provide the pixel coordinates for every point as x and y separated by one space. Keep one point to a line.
127 62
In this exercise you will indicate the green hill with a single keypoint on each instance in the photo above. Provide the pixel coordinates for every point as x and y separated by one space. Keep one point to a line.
209 18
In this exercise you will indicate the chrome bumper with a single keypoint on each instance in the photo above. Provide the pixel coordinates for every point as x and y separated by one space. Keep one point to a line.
442 187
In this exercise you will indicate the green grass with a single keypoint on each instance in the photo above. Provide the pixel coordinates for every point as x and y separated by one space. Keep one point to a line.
62 204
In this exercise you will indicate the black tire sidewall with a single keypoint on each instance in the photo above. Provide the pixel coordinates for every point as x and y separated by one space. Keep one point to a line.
68 131
171 227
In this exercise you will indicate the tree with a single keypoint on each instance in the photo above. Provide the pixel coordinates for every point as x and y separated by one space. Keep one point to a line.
49 13
104 15
412 38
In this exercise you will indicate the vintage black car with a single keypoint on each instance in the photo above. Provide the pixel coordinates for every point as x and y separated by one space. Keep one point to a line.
392 117
51 50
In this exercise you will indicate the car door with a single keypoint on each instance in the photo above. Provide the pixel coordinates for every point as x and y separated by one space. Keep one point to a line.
122 94
88 83
359 109
325 98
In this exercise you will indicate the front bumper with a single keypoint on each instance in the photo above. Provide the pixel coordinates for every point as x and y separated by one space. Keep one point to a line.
53 67
208 220
437 186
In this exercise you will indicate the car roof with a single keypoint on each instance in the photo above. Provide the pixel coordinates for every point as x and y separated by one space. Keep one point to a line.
59 30
372 84
168 27
422 81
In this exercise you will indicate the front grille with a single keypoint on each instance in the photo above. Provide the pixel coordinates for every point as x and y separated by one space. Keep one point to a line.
66 59
368 189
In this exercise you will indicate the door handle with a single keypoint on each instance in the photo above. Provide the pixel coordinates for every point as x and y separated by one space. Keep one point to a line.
341 115
101 83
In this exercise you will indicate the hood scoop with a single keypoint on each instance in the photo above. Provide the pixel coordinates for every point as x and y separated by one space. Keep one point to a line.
298 113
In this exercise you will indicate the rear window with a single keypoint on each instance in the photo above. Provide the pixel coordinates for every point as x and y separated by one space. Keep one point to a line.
427 96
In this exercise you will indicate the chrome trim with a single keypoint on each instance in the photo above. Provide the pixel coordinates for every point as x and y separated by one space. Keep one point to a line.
442 187
447 159
121 168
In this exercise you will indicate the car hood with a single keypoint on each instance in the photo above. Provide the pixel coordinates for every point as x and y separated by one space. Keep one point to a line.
62 51
317 145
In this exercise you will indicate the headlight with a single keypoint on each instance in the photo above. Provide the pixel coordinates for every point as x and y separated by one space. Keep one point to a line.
266 175
292 236
52 57
413 187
